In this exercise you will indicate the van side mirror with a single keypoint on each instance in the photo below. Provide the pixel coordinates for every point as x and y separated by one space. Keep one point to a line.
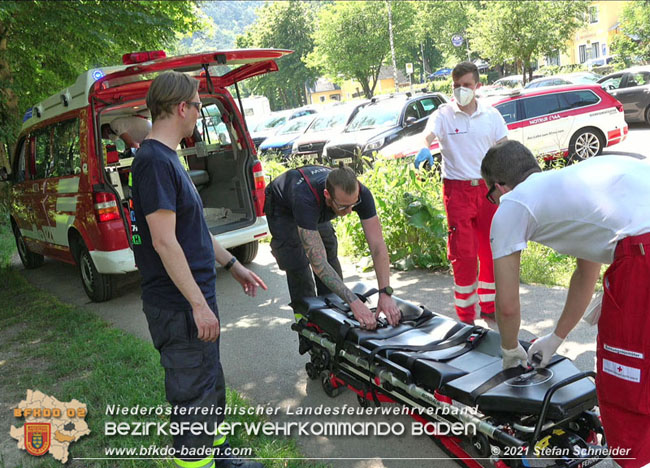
410 120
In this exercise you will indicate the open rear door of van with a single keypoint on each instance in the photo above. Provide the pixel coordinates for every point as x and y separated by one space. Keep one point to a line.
216 69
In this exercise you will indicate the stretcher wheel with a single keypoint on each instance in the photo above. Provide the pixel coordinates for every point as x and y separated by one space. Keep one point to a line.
312 372
330 390
363 402
481 445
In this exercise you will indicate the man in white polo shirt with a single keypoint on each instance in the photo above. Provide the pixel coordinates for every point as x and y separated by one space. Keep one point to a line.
466 129
599 212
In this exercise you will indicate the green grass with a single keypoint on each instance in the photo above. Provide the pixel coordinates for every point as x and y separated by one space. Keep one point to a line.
69 353
7 243
542 265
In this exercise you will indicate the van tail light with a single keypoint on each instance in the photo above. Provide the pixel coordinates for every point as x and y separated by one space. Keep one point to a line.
106 207
258 191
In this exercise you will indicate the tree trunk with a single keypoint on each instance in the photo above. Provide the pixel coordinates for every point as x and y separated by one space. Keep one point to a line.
9 115
392 45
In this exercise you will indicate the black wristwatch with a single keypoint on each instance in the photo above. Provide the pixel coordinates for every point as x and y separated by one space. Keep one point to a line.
387 290
229 265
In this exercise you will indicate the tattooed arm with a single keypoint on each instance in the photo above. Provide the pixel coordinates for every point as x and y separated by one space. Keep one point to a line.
315 250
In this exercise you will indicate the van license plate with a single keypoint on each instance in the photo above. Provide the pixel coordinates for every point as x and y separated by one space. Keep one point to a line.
344 160
310 155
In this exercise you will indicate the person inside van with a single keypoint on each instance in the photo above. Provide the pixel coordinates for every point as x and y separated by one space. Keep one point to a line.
132 130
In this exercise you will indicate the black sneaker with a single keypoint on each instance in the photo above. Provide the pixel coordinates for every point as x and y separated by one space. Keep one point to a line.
489 317
236 463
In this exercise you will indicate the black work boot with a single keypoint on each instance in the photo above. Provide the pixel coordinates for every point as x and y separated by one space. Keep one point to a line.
223 459
236 463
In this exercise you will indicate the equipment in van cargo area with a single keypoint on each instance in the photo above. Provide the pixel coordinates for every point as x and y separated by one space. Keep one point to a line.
71 189
450 375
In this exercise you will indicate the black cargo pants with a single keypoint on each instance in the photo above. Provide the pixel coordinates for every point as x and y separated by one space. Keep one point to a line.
288 251
193 374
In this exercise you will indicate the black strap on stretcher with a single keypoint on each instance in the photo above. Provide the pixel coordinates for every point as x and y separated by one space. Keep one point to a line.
469 340
505 375
346 327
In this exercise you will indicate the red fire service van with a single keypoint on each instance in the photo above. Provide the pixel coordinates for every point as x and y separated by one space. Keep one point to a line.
70 192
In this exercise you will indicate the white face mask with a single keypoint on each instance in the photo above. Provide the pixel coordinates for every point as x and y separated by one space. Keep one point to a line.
463 96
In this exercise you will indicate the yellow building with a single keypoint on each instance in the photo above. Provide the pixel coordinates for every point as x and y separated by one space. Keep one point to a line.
324 91
594 40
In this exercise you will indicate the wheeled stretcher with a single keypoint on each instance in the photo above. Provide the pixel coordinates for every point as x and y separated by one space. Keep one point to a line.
449 373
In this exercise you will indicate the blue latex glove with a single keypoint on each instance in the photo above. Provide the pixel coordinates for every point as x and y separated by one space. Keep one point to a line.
423 155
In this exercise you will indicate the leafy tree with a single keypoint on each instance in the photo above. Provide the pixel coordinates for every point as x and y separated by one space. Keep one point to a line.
283 25
521 31
45 45
428 42
633 42
351 42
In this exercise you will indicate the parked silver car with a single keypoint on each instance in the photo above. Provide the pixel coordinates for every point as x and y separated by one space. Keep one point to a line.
564 79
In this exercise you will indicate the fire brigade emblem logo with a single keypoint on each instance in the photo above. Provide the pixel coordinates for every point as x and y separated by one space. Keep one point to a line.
37 438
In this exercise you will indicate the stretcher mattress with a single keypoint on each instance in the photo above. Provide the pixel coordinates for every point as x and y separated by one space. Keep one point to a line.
457 360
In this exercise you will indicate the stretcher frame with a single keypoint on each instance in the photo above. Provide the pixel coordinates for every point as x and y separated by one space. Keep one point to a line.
497 443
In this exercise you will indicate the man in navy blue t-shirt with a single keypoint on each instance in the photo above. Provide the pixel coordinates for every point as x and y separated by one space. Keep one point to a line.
300 204
176 255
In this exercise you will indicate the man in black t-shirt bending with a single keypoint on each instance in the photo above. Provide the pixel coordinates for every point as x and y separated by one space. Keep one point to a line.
176 255
300 204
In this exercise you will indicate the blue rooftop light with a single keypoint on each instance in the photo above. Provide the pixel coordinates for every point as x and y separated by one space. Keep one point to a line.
97 74
28 114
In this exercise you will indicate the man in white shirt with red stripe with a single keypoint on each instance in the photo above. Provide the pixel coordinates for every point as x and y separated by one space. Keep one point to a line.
466 129
132 130
599 212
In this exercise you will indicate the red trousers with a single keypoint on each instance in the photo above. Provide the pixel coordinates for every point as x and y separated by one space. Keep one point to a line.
469 216
623 353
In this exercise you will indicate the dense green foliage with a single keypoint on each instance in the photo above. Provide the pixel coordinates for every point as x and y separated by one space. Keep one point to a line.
525 30
409 205
351 40
45 45
283 25
633 43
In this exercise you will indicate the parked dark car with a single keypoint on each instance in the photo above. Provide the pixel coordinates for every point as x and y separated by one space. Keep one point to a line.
632 88
383 121
328 124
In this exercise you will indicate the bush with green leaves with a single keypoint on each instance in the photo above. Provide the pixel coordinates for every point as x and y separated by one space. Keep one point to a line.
411 211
